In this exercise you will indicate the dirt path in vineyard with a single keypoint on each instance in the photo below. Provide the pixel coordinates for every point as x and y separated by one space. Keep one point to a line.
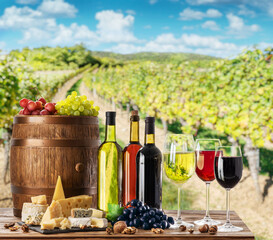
257 216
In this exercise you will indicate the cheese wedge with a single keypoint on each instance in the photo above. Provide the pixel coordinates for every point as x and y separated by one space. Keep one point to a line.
41 199
97 213
48 225
58 221
59 191
82 201
99 222
77 222
53 211
32 210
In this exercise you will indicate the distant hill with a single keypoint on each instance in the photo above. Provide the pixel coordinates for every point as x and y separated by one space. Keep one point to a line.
153 56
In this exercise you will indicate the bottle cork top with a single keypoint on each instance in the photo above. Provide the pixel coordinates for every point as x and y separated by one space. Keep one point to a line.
134 113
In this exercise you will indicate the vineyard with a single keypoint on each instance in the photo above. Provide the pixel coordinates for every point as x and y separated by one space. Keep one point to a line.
232 97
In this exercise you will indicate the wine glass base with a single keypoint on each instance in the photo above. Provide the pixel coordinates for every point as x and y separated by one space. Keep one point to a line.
207 220
228 227
178 223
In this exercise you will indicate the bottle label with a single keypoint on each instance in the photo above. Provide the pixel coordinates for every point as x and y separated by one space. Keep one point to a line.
150 138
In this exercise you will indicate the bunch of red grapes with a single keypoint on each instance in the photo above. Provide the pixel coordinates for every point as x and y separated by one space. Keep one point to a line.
40 107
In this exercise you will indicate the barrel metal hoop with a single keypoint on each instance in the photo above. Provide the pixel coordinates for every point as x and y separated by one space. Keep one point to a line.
55 142
56 119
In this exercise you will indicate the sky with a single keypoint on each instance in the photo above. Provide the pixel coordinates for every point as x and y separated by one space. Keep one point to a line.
221 28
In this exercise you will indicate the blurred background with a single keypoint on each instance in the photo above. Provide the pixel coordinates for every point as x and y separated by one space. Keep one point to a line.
199 66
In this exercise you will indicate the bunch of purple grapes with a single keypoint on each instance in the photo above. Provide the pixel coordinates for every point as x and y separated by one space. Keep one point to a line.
140 215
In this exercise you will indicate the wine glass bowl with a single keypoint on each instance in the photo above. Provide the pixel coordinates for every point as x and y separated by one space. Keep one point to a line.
228 167
205 154
179 164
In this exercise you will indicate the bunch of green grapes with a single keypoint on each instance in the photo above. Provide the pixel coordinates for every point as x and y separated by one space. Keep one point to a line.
75 105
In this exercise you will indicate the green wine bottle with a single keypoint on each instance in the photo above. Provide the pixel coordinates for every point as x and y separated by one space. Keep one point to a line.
109 166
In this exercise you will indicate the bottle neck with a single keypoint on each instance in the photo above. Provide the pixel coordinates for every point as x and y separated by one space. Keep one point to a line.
149 133
110 135
134 132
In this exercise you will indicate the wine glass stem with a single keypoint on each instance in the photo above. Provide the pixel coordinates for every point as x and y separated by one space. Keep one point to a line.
228 205
207 199
179 204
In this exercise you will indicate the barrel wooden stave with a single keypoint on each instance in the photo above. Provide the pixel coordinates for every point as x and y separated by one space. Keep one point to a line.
36 163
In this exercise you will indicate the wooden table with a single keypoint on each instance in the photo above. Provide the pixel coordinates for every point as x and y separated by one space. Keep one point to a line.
6 216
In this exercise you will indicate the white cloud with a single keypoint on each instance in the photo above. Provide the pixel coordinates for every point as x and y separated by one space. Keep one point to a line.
26 1
130 12
166 28
185 43
237 26
199 2
212 25
152 2
187 27
22 18
115 27
190 14
57 8
245 11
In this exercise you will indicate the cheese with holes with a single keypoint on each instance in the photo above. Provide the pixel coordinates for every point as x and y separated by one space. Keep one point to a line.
41 199
49 225
82 201
53 211
59 191
81 213
77 222
99 222
98 213
32 210
65 224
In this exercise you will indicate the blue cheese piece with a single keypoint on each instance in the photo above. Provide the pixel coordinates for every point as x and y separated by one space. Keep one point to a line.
31 210
81 213
78 222
99 222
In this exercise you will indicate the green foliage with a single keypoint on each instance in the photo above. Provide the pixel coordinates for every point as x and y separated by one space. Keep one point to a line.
56 58
75 87
114 211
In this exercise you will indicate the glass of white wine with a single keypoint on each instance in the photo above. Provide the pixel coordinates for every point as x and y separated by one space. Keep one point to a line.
179 165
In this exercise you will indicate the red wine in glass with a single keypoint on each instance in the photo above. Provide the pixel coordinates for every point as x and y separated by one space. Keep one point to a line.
228 171
205 165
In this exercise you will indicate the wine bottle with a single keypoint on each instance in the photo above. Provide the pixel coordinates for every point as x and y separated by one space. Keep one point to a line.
149 168
129 160
109 166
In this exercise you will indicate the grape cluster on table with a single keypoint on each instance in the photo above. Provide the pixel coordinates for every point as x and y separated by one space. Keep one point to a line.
140 215
75 105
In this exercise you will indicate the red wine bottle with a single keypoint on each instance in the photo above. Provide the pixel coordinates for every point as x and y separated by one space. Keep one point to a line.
149 168
129 160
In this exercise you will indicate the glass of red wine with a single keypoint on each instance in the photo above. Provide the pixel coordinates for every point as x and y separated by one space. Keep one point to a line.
228 168
205 154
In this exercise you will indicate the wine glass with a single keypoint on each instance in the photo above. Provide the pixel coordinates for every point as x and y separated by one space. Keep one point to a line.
179 165
228 168
205 154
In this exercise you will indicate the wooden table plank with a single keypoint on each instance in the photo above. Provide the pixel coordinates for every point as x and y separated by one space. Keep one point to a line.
6 216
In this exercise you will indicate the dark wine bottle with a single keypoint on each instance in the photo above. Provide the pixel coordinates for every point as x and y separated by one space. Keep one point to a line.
129 160
149 168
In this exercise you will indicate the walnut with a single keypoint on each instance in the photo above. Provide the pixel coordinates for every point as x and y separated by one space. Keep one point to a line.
8 225
119 226
190 230
182 228
157 230
109 231
213 229
15 228
129 230
204 228
25 228
83 226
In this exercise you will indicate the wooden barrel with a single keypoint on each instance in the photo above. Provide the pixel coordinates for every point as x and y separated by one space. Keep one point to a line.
43 147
